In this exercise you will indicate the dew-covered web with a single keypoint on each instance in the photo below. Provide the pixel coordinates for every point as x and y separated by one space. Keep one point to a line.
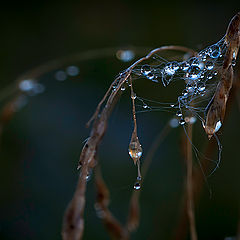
199 76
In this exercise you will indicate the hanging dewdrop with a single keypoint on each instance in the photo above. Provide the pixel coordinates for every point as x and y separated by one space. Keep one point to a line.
135 149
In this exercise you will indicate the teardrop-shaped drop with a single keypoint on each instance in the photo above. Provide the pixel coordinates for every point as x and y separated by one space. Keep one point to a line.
135 149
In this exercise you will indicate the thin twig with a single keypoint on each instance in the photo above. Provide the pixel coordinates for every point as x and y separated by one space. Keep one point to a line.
189 185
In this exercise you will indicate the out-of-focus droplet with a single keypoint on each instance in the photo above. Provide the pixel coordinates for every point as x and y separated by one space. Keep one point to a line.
125 55
192 120
61 75
174 123
26 85
72 71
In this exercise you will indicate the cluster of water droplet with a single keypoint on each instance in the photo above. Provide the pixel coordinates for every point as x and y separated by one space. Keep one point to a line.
197 73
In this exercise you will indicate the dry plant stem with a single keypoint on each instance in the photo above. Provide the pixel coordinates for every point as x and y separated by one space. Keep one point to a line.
113 227
198 181
189 185
217 107
73 222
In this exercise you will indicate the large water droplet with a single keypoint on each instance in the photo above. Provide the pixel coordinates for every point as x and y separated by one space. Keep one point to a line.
137 186
193 72
135 149
214 51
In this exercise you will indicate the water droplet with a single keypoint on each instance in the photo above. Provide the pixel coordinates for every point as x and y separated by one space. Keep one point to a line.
125 55
26 85
135 149
210 75
193 72
179 113
214 51
174 123
184 66
192 120
134 96
72 71
174 65
137 186
182 121
171 67
150 76
123 88
218 125
60 75
190 89
209 65
145 106
203 55
145 69
185 93
233 62
139 178
89 176
201 87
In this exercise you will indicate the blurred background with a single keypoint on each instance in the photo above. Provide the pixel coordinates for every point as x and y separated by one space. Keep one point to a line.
41 143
